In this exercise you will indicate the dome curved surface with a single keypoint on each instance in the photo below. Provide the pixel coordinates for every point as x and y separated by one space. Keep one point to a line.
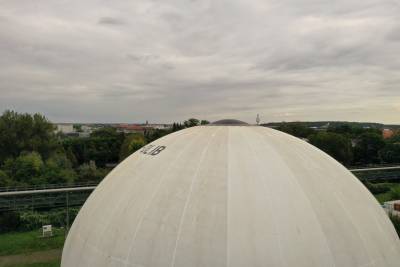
231 196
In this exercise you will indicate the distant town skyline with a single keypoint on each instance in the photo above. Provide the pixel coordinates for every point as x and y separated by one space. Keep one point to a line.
132 61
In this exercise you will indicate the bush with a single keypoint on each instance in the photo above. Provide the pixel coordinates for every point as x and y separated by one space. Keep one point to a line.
336 145
377 188
5 181
395 193
390 153
297 129
25 169
33 220
131 144
367 148
24 132
58 169
9 221
89 173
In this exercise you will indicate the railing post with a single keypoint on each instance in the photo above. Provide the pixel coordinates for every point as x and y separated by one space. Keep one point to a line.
67 226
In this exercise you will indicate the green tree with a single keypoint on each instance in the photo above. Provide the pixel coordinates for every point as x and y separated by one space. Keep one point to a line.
336 145
390 153
58 169
71 157
24 132
90 173
395 139
191 122
150 136
25 169
103 146
106 132
297 129
352 130
5 180
367 148
177 126
341 129
204 122
78 128
131 144
76 149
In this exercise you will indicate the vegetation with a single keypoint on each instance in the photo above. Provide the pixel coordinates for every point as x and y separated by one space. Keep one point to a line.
336 124
28 220
25 242
54 263
132 143
21 249
296 129
103 146
391 192
336 145
379 188
350 143
24 132
31 153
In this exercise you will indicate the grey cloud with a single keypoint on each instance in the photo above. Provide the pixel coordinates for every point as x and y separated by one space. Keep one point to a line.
110 21
169 60
394 35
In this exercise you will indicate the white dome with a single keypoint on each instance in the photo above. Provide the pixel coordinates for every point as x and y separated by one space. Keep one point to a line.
231 196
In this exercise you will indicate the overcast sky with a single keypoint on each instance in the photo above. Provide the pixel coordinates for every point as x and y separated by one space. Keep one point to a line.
164 61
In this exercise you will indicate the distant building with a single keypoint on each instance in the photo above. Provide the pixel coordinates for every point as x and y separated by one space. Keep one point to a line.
387 133
86 129
83 134
160 126
65 128
141 128
131 128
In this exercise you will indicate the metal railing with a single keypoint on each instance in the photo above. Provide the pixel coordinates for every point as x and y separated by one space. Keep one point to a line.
60 195
367 169
378 173
48 198
46 187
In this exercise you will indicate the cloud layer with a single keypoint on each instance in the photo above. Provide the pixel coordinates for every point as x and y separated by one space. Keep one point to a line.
163 61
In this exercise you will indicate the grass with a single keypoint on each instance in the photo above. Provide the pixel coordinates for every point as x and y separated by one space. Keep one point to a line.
39 264
26 242
392 194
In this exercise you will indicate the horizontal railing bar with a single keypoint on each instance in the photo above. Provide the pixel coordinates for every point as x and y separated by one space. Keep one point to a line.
42 191
375 169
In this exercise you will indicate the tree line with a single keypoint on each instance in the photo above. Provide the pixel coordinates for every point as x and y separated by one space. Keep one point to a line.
349 144
32 153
